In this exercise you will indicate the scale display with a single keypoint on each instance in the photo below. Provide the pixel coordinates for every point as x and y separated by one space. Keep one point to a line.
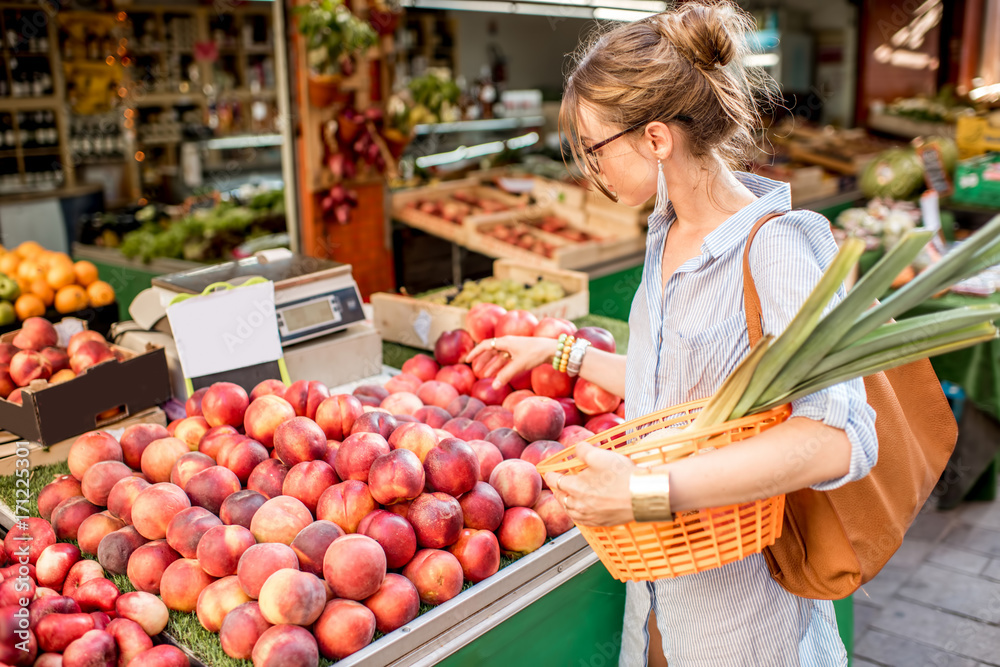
313 316
310 315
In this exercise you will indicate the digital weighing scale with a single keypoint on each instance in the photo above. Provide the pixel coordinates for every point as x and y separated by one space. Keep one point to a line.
312 297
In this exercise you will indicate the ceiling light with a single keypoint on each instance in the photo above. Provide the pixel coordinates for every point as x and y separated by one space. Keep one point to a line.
761 60
627 15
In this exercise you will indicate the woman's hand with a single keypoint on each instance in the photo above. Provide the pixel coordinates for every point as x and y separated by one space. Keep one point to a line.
513 355
598 496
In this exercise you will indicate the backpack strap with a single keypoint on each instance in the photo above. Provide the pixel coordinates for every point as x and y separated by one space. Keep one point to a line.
751 299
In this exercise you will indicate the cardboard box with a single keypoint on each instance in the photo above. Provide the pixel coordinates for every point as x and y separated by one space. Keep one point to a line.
404 211
418 323
52 413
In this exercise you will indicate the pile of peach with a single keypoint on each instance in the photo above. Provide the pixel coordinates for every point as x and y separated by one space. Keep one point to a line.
33 354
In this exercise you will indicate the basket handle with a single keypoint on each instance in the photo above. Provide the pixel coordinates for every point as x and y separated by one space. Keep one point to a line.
751 299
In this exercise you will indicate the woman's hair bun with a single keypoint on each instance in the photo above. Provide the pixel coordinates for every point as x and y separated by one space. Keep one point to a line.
703 33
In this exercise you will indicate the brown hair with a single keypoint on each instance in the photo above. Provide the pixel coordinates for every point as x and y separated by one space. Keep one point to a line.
687 61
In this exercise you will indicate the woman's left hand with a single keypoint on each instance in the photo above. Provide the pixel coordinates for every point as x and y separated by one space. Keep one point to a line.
598 496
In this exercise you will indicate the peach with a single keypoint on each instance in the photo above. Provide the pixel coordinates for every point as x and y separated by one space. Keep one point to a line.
310 546
57 358
553 514
280 520
345 504
357 453
484 391
239 508
189 465
517 481
28 366
192 406
122 496
402 508
57 631
395 604
181 584
35 334
521 532
495 417
94 528
403 382
458 376
222 547
464 428
16 397
482 507
96 648
96 594
381 423
307 481
224 404
82 572
215 438
478 551
372 390
130 639
573 416
432 415
147 564
90 448
56 491
244 456
573 434
393 533
145 609
368 402
155 507
453 346
418 438
507 441
218 599
402 403
101 619
452 467
299 439
345 627
481 321
422 366
516 397
159 457
436 519
282 645
241 629
593 400
116 548
267 478
136 438
191 430
259 562
14 637
305 396
465 406
163 655
187 527
539 418
265 387
603 422
69 514
540 450
51 604
488 456
396 476
54 563
547 381
81 337
434 392
264 416
210 487
39 531
15 590
90 353
7 352
437 575
354 566
100 477
292 597
336 415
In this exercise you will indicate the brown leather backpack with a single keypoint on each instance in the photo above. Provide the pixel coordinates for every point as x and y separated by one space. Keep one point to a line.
833 542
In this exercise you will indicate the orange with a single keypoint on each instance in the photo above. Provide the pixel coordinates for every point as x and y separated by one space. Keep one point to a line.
100 293
41 289
29 249
24 285
29 305
9 264
86 272
60 275
60 259
70 299
29 270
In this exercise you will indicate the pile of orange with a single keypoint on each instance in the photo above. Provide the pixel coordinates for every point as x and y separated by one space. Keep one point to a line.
48 278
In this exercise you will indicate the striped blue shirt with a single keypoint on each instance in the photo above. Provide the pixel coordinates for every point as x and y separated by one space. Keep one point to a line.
684 340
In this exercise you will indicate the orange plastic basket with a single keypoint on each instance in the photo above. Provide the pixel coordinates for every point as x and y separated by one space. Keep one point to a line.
696 541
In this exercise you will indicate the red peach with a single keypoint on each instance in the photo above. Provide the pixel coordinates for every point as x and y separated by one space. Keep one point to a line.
459 376
218 599
280 519
283 645
599 338
484 391
517 482
481 320
540 450
354 566
403 382
51 604
136 438
515 397
417 438
345 504
393 533
56 491
145 609
402 508
521 381
159 457
264 416
155 507
453 346
310 545
539 418
224 404
421 366
336 415
265 387
369 401
299 439
402 403
130 639
163 655
488 456
507 441
573 416
16 397
11 635
189 465
437 575
521 532
604 422
496 416
553 514
432 416
7 352
305 397
39 531
241 629
259 562
123 495
14 590
186 529
54 563
69 514
96 595
239 508
57 358
372 390
182 583
572 435
357 453
28 366
36 333
466 429
210 487
436 393
267 478
244 456
436 519
82 572
395 477
191 430
465 406
293 597
345 627
516 323
593 400
216 438
395 604
221 548
307 481
547 381
192 406
94 528
452 467
482 507
80 337
95 648
553 327
90 448
116 548
620 411
57 631
375 422
478 551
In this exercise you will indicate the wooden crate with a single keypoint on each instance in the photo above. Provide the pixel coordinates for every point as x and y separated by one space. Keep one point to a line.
440 227
419 323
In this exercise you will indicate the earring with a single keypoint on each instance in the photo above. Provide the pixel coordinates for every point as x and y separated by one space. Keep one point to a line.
662 196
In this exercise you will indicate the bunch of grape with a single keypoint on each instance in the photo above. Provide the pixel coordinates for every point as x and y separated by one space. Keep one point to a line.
510 294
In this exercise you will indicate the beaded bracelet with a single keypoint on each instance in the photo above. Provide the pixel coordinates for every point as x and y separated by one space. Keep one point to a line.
576 353
561 357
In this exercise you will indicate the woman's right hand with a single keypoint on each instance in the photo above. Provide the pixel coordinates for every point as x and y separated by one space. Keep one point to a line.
513 355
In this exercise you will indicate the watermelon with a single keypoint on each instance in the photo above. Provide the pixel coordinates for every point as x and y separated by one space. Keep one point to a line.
896 173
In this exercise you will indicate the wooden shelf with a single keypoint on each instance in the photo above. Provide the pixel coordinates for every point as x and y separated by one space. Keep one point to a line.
29 103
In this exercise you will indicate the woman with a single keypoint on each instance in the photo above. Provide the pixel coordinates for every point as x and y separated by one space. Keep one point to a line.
663 106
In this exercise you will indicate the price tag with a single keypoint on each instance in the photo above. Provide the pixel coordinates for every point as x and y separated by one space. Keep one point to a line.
934 171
